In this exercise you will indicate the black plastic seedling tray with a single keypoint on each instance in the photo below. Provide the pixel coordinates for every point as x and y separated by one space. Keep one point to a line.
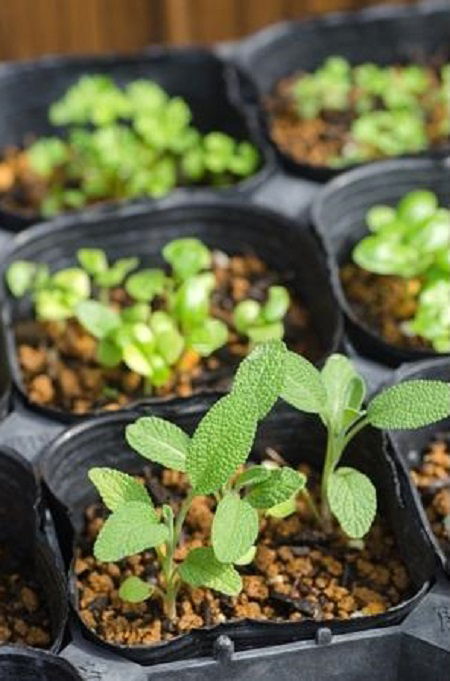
384 35
412 644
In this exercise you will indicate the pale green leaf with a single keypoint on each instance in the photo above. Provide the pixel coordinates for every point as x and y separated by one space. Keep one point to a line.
117 488
410 404
303 387
131 529
97 318
160 441
93 260
221 442
282 485
283 509
353 500
234 529
145 284
201 568
135 590
247 557
260 376
252 476
20 277
339 378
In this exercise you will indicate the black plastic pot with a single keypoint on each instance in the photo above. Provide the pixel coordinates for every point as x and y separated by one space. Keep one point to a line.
100 442
232 227
383 35
338 215
409 445
33 665
22 523
28 88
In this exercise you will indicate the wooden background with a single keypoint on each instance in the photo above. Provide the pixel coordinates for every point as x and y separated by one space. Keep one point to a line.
34 27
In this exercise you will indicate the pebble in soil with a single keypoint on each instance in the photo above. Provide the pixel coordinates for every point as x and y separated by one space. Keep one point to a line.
58 360
383 303
432 478
298 573
24 618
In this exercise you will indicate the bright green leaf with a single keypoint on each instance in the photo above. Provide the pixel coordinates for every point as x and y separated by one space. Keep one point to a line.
117 488
160 441
410 404
281 486
97 318
303 387
135 590
353 500
234 529
201 568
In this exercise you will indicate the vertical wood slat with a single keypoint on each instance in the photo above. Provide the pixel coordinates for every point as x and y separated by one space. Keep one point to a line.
33 27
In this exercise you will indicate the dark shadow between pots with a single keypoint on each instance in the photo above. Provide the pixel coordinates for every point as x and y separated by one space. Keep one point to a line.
100 442
409 445
383 35
26 547
27 89
232 227
339 214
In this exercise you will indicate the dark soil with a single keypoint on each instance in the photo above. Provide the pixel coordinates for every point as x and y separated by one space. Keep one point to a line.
432 479
299 573
24 618
319 140
383 302
58 362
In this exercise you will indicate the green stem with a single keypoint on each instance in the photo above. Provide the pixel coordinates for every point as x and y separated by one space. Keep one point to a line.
312 505
354 430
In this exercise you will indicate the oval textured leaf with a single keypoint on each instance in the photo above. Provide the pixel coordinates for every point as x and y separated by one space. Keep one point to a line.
303 387
135 590
160 441
281 486
132 528
260 376
234 529
221 442
201 568
116 488
353 500
410 404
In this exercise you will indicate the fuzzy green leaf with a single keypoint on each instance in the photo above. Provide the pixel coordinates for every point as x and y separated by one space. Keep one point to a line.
201 568
132 528
160 441
97 318
303 387
234 529
260 376
145 284
20 276
221 442
281 486
252 476
283 509
93 260
410 404
135 590
353 500
117 488
342 385
187 256
247 557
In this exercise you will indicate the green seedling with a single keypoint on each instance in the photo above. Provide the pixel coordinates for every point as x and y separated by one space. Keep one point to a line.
55 296
336 394
105 276
263 322
390 107
211 459
412 240
127 143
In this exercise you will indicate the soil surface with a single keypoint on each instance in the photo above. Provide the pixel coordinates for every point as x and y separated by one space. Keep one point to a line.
320 140
432 478
24 618
383 302
58 362
299 573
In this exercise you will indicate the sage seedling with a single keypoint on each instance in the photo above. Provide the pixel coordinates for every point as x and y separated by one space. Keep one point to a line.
263 322
210 459
336 394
